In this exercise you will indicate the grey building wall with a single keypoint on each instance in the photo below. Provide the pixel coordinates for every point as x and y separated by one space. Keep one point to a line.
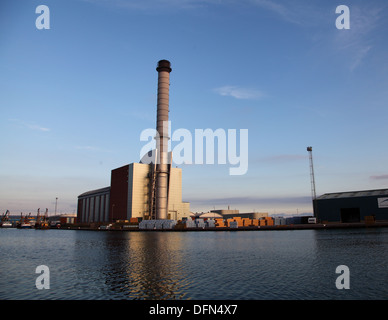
352 208
93 206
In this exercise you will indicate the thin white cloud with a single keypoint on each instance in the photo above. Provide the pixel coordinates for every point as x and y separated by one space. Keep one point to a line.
300 12
357 42
37 127
359 56
154 4
280 9
30 125
239 92
291 12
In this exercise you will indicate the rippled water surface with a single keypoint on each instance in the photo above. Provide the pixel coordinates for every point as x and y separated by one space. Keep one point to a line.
194 265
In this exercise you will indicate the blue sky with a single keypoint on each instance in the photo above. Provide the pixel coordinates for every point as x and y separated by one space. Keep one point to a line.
75 98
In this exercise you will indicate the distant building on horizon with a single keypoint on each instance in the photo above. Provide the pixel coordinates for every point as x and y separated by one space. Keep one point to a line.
228 213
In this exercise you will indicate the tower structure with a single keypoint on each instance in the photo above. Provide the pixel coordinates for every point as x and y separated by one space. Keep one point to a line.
312 180
162 163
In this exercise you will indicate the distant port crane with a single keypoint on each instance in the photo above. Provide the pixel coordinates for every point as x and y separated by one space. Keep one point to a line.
312 179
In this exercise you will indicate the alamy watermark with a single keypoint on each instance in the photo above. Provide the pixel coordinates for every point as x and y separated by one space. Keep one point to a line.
343 20
43 20
342 281
43 280
200 147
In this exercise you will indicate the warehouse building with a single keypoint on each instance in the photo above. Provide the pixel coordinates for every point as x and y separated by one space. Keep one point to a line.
354 206
93 206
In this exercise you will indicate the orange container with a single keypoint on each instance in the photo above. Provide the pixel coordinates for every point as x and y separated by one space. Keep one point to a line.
247 222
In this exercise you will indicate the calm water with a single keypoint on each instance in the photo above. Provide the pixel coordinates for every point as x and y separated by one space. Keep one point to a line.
194 265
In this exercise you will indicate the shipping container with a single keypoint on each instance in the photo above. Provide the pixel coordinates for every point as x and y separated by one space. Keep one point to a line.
210 223
190 224
233 224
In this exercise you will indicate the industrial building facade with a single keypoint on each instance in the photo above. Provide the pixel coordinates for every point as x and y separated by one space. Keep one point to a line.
93 205
129 196
355 206
145 190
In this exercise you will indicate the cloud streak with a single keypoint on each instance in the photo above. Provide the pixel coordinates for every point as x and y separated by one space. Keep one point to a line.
30 125
357 40
281 10
239 92
152 5
296 12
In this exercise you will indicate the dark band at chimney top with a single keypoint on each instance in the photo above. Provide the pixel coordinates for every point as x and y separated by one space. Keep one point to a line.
164 65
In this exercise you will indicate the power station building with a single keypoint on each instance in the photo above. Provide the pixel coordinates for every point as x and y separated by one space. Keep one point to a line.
352 206
129 196
150 189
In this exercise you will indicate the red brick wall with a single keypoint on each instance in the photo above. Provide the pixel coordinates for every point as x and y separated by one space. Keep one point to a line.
79 210
119 194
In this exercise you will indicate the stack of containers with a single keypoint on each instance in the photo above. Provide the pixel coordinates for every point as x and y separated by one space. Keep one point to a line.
247 222
157 224
210 223
200 223
269 221
228 221
255 222
220 223
239 221
233 224
169 224
190 224
147 224
150 224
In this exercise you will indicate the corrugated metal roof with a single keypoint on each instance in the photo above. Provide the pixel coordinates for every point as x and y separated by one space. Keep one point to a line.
97 191
353 194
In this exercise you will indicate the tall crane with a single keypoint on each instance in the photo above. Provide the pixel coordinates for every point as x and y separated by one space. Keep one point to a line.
312 178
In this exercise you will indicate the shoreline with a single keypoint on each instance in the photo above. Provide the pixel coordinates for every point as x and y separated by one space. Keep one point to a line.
317 226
